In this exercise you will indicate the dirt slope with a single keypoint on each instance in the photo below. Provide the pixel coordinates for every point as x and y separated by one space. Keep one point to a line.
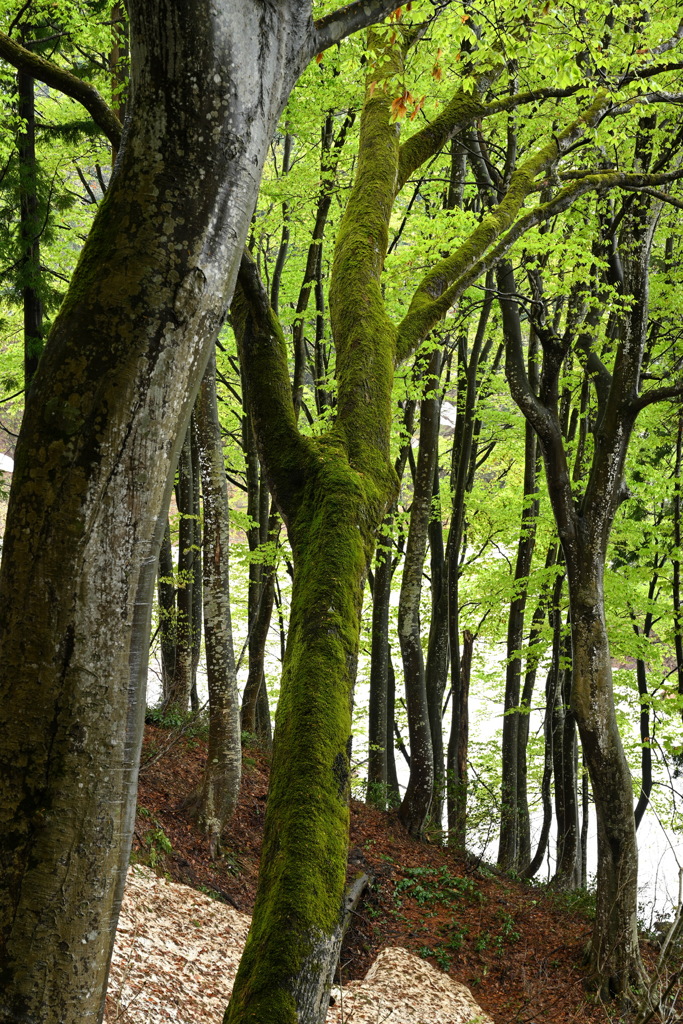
517 947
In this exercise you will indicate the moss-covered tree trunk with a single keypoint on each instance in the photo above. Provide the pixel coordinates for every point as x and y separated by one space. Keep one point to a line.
303 864
332 493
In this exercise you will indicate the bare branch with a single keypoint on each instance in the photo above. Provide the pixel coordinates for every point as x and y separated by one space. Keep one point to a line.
656 194
657 395
341 23
669 44
64 81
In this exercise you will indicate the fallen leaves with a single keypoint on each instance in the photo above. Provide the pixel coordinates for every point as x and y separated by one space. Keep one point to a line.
177 951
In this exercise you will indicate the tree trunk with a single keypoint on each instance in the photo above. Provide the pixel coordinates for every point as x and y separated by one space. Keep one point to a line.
379 722
513 787
302 876
197 580
111 397
417 799
436 669
568 859
456 764
220 784
29 227
180 684
615 957
167 612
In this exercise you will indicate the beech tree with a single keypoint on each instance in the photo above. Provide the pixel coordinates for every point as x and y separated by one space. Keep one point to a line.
584 523
333 491
104 421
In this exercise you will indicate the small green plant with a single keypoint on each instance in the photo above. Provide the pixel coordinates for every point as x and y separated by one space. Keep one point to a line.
165 718
458 934
382 796
439 953
508 927
424 884
208 891
157 844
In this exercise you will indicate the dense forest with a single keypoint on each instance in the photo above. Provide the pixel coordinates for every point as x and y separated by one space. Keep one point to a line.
341 366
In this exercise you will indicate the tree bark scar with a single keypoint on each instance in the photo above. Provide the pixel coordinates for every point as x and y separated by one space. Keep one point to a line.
189 293
340 770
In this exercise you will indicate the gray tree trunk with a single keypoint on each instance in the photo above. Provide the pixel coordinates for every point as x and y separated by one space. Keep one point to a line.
219 790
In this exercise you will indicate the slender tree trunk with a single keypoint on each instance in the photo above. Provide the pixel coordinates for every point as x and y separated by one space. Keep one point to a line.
167 612
29 227
513 789
382 778
393 791
197 579
379 721
219 790
568 859
457 749
615 951
676 560
180 685
417 799
436 670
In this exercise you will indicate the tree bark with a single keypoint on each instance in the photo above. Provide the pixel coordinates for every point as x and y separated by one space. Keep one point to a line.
568 859
417 799
511 857
29 226
180 683
379 724
104 418
219 790
167 611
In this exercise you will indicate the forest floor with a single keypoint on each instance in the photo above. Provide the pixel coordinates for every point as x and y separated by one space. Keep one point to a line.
520 948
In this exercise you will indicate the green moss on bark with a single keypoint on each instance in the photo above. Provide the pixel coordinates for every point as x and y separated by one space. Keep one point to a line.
302 878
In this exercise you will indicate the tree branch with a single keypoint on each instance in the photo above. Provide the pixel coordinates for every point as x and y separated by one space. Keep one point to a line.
341 23
65 82
420 320
657 395
267 388
442 285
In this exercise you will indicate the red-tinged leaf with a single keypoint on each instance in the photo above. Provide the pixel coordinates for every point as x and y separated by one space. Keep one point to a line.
318 58
465 18
392 38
